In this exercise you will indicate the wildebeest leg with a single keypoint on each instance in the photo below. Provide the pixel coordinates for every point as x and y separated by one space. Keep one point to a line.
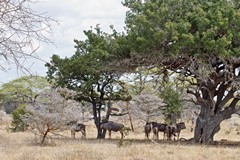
83 134
73 134
174 136
146 135
164 134
121 134
169 135
157 135
109 131
155 131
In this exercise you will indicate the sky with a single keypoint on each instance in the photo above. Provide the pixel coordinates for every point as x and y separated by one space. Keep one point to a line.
74 16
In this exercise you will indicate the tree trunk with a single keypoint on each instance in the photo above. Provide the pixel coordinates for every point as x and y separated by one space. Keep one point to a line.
206 129
109 108
208 124
129 116
97 120
44 136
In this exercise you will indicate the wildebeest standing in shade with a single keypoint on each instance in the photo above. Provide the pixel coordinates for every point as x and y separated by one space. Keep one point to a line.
112 126
147 129
170 131
77 127
179 126
162 128
158 127
155 130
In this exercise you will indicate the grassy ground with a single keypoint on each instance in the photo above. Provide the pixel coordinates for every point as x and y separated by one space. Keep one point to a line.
21 146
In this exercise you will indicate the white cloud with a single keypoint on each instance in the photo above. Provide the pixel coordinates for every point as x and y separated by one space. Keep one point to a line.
74 17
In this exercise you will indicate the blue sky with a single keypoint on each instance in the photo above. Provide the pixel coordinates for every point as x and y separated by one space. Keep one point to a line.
74 16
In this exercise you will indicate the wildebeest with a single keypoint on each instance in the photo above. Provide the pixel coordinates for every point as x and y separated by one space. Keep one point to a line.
179 126
170 131
75 126
112 126
147 129
158 127
174 130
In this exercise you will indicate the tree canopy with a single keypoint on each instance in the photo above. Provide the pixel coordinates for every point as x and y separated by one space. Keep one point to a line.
181 27
23 89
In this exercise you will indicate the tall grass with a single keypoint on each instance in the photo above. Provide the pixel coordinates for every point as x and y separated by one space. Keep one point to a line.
21 146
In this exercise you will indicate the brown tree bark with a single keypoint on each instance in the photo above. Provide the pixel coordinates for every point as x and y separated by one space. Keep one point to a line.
44 136
129 116
208 124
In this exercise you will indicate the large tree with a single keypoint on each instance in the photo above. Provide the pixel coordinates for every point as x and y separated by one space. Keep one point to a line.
198 39
87 73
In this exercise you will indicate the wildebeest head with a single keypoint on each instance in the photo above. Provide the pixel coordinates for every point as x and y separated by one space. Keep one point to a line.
181 125
80 127
154 124
147 129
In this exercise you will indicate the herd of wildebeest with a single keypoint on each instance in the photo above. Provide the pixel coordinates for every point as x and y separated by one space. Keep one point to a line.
170 132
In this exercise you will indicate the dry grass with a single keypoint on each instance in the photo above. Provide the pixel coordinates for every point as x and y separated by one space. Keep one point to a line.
20 146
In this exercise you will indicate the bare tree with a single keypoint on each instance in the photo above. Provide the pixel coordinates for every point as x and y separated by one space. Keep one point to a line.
146 106
21 32
52 111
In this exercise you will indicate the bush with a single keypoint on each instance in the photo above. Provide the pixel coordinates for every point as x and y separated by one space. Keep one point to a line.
17 123
173 108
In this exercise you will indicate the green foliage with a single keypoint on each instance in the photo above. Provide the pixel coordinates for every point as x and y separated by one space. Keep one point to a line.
88 71
181 27
17 123
23 89
173 108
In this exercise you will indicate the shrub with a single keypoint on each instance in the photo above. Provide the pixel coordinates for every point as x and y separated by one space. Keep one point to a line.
18 124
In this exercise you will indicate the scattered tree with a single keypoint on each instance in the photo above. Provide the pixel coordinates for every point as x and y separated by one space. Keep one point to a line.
22 91
87 72
51 111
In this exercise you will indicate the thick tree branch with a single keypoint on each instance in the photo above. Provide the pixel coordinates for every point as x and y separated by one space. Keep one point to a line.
199 99
233 103
220 94
227 98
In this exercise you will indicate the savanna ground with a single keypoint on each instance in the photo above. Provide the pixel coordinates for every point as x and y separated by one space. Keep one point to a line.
22 146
